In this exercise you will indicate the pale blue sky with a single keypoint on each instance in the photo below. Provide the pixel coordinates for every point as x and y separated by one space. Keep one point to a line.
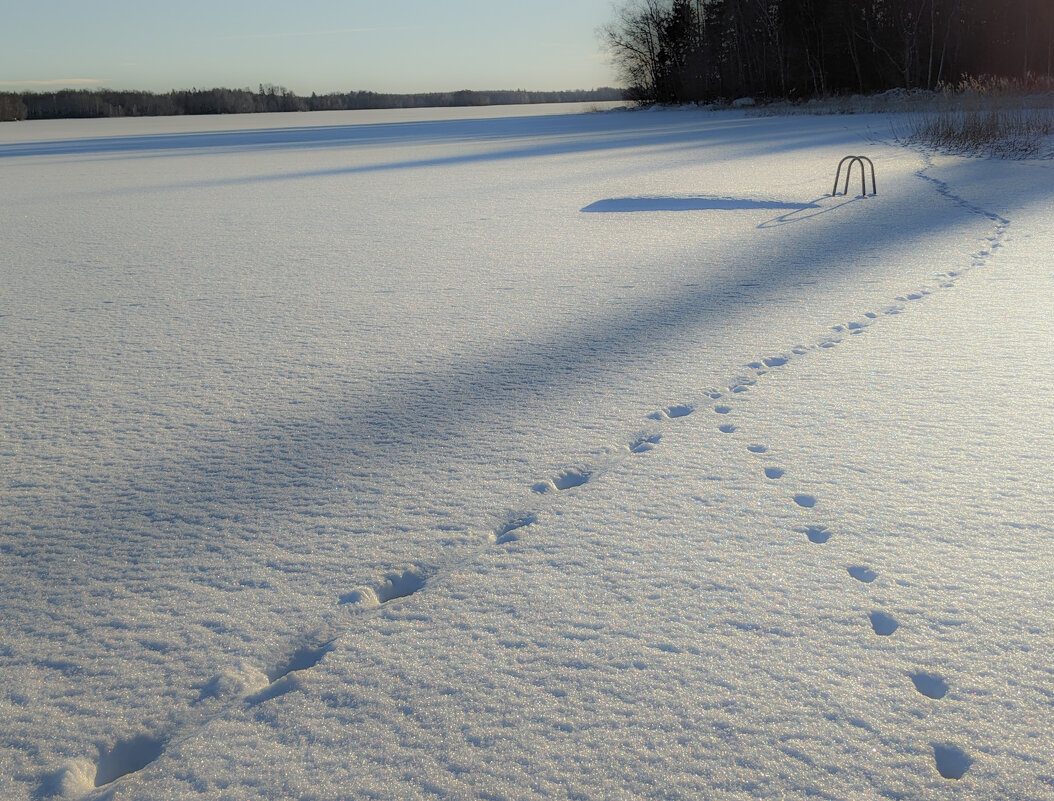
306 46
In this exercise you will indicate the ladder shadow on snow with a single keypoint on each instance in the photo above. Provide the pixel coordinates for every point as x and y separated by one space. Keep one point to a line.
807 211
690 203
793 211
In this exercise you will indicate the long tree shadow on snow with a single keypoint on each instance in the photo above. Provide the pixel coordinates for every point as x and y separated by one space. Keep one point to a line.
478 141
439 404
522 136
290 461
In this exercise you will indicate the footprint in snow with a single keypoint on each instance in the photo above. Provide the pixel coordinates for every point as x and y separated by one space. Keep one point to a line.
644 443
817 534
234 681
255 687
509 532
303 658
672 412
681 410
726 428
568 479
929 684
952 762
127 756
883 624
277 688
395 585
862 574
805 501
774 472
722 409
852 327
771 361
755 448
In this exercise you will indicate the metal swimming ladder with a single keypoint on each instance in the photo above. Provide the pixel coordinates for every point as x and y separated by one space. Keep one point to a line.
861 160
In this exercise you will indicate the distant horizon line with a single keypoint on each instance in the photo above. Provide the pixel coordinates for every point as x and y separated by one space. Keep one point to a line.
75 103
83 85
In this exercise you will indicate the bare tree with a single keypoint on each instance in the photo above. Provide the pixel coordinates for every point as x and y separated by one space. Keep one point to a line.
633 41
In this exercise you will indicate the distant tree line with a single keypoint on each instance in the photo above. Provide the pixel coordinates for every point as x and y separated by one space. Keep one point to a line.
68 103
673 51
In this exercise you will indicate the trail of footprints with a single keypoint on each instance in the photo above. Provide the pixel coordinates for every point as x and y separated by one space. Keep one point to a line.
950 761
247 686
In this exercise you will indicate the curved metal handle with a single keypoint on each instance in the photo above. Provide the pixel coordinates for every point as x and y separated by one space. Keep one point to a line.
861 160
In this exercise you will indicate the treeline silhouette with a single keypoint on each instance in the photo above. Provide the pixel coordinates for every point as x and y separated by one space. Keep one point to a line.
673 51
68 103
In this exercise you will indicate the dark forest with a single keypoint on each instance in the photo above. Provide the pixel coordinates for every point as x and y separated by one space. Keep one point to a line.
675 51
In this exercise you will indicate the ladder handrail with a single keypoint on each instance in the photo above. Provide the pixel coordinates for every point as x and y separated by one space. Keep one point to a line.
849 171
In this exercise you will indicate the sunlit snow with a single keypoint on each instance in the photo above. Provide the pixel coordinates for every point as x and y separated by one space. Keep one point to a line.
522 454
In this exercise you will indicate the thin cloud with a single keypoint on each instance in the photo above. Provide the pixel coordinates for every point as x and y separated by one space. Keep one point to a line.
303 34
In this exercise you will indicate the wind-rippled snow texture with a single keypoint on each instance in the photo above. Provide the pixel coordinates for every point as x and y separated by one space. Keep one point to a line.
350 456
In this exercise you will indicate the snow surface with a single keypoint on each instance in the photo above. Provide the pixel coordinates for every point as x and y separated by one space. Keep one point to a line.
522 454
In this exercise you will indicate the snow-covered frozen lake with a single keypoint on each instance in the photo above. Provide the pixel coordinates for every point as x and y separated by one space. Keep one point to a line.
522 453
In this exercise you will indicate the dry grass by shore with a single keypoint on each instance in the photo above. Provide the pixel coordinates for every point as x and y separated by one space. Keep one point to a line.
992 117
